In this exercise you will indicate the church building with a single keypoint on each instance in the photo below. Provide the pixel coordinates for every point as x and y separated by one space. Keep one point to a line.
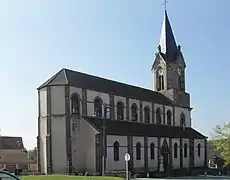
88 123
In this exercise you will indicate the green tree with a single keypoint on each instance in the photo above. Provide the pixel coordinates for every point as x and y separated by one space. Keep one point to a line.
32 153
221 141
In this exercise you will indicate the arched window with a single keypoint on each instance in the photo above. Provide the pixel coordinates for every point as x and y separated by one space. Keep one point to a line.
182 120
158 116
198 150
75 104
138 151
134 112
120 110
116 151
152 151
98 107
185 150
160 79
169 117
147 115
175 150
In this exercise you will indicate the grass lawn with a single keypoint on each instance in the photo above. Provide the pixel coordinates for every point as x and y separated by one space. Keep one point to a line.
65 177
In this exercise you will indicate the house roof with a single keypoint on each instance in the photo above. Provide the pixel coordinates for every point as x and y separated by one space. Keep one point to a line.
211 152
7 142
116 127
14 156
82 80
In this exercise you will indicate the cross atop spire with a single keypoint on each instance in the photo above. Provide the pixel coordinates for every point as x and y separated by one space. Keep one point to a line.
165 4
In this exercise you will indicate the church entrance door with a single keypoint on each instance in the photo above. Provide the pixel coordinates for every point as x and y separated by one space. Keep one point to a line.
165 162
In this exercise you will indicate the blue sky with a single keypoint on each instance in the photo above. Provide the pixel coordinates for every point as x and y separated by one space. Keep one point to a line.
115 39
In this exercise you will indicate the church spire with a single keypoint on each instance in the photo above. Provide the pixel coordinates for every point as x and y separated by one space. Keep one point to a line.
168 68
167 44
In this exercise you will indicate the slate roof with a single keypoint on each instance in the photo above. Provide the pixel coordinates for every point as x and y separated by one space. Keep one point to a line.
14 156
167 40
82 80
115 127
7 142
211 152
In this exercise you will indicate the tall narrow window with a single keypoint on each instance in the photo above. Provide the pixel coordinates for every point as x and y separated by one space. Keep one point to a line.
175 150
120 111
160 79
169 117
182 120
134 112
116 151
161 82
147 115
152 151
158 116
138 151
185 150
160 75
160 85
75 103
198 150
98 107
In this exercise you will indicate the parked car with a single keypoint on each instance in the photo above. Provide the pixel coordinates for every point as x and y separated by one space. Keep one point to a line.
4 175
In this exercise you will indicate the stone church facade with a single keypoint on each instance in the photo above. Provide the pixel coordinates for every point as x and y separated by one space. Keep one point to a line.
83 118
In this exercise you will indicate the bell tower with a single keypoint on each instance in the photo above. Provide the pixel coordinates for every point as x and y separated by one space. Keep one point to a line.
168 68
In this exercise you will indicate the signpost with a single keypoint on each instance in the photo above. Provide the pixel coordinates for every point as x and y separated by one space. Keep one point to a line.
127 158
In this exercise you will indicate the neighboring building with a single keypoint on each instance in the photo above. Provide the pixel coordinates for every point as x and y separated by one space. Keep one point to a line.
13 154
214 157
151 125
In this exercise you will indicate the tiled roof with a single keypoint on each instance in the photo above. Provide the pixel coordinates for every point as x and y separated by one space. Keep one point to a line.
11 142
81 80
14 156
115 127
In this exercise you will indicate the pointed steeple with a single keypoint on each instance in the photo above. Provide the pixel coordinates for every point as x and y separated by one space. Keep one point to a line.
167 44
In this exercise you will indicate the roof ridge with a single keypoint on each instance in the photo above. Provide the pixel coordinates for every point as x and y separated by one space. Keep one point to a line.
65 74
72 77
11 136
114 81
51 79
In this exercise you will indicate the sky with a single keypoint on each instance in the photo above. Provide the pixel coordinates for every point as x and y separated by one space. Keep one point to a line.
115 39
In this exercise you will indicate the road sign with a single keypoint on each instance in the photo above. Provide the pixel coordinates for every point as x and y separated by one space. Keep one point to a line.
127 157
